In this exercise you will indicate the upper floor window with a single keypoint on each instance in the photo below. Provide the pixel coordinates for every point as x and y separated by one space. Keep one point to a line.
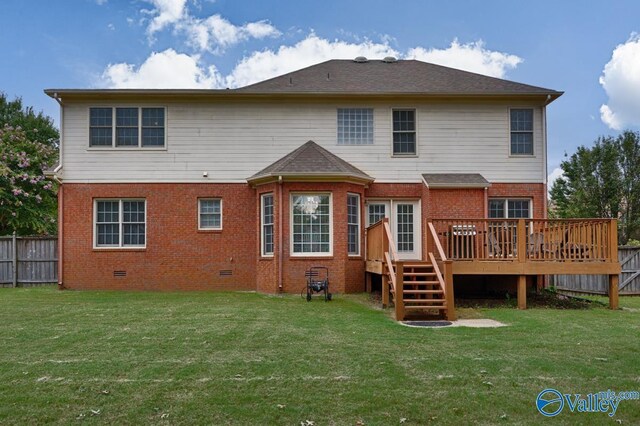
522 131
210 214
355 126
404 132
509 209
120 223
132 127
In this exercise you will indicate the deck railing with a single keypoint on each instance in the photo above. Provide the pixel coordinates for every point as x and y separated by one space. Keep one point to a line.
562 240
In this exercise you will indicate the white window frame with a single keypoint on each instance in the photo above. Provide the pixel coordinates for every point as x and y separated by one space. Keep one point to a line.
506 207
406 155
311 254
210 228
533 132
359 142
263 253
358 224
113 145
120 245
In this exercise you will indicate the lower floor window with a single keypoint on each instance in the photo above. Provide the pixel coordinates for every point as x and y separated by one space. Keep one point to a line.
120 223
311 223
353 224
509 208
210 213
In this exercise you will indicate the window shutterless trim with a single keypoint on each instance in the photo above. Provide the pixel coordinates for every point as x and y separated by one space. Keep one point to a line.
310 254
114 145
357 224
533 133
264 253
506 206
121 223
415 131
209 228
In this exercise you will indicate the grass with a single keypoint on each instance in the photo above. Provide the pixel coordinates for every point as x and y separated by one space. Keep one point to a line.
242 358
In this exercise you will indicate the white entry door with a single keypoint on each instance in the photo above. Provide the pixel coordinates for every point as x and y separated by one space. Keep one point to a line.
405 223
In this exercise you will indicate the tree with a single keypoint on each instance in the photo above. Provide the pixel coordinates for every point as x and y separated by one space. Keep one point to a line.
28 147
602 181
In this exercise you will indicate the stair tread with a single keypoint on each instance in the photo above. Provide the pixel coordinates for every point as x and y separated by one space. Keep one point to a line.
419 274
423 291
423 301
426 307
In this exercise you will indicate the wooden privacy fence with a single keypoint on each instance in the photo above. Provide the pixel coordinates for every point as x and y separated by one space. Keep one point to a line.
28 261
629 283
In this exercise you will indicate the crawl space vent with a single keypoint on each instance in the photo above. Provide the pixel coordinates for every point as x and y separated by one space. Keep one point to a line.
226 272
119 273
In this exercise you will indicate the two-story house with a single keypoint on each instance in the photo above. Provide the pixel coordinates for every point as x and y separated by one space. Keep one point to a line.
245 189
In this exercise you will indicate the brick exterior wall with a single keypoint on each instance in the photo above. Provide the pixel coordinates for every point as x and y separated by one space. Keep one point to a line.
536 191
180 257
177 256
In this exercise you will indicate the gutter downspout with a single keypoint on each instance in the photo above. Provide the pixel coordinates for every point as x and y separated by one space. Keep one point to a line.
280 232
544 147
60 197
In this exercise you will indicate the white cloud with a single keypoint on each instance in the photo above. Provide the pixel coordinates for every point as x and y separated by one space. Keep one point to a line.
101 2
165 13
313 49
172 69
167 69
472 57
621 81
111 27
215 33
553 176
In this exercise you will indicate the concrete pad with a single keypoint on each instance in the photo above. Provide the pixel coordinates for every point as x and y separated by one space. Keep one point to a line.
478 323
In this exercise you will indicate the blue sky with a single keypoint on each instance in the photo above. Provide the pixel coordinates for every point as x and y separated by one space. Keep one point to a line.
592 53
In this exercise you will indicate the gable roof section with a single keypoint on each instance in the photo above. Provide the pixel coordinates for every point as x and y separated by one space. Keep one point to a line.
340 77
400 77
455 180
310 162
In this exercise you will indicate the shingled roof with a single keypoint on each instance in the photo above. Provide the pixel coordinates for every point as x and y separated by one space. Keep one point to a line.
384 77
311 161
455 180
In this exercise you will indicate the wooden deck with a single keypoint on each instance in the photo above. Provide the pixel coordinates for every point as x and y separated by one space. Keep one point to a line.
518 247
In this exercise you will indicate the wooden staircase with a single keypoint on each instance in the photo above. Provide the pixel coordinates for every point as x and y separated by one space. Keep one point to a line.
421 289
417 290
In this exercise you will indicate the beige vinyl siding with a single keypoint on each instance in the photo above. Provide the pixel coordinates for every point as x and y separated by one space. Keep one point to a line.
233 141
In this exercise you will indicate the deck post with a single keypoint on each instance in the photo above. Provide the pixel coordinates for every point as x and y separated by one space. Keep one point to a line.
522 292
399 291
385 290
448 290
367 282
613 291
522 241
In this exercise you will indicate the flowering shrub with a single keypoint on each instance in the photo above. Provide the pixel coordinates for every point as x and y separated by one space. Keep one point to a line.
27 199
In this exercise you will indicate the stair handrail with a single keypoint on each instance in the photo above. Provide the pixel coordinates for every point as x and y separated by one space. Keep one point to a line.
436 241
392 245
436 269
392 274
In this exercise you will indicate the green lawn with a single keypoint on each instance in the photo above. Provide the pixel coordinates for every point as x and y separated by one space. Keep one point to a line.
242 358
